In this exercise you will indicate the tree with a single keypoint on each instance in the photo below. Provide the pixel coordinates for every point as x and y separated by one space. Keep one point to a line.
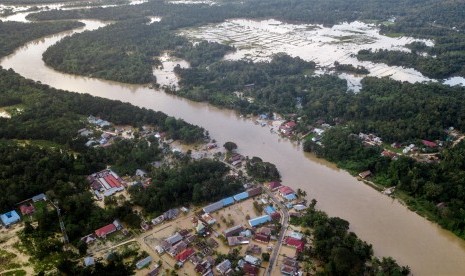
230 146
266 257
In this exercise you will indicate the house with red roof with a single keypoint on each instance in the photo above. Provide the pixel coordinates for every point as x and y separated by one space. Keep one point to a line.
287 128
284 191
27 209
293 242
274 185
184 255
429 144
250 270
105 230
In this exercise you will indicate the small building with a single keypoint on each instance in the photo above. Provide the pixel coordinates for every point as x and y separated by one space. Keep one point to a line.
262 238
233 241
105 230
213 207
252 260
250 270
39 197
259 220
144 262
429 144
233 231
364 174
27 209
269 210
223 267
284 190
208 219
171 214
300 207
184 255
296 235
174 238
254 191
88 261
141 173
241 196
290 197
227 201
274 185
10 218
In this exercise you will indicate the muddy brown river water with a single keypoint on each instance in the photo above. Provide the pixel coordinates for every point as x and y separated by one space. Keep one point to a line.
389 226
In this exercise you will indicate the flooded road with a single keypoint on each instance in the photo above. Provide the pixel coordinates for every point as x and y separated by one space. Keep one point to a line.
390 227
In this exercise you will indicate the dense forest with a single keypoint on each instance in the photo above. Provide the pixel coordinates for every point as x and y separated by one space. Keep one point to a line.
338 251
15 34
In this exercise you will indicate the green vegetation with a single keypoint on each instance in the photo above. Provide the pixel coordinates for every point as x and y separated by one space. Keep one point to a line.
197 182
349 68
338 251
15 34
262 171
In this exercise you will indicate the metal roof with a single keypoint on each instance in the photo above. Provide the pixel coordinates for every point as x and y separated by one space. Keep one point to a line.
241 196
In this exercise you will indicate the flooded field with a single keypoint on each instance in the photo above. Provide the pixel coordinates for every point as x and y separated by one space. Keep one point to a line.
165 74
259 40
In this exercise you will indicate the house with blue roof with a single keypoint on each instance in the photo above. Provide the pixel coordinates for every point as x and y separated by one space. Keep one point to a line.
290 197
10 218
259 220
269 210
241 196
227 201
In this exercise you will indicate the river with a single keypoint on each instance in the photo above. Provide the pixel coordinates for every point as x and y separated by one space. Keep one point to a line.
389 226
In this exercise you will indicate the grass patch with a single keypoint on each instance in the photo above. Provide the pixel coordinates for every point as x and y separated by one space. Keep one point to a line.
18 272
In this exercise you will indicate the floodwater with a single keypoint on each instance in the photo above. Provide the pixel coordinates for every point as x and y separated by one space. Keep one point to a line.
389 226
165 74
259 40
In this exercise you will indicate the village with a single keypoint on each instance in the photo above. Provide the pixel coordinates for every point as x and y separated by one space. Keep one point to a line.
246 233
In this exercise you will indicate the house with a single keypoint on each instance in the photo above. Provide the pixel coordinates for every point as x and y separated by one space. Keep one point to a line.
250 270
10 218
284 190
296 235
184 255
254 191
364 174
176 249
89 238
287 128
429 144
253 249
154 272
27 209
39 197
269 210
290 197
174 238
88 261
106 181
223 267
208 219
262 238
213 207
144 262
141 173
274 185
233 231
252 260
233 241
171 214
105 230
259 220
241 196
292 242
300 207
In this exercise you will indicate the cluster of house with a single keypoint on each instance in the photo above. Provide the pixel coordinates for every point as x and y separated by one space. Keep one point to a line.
249 265
370 139
287 195
26 208
104 231
168 215
105 183
290 266
287 129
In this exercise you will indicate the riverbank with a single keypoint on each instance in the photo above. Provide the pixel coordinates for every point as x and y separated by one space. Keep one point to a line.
374 217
